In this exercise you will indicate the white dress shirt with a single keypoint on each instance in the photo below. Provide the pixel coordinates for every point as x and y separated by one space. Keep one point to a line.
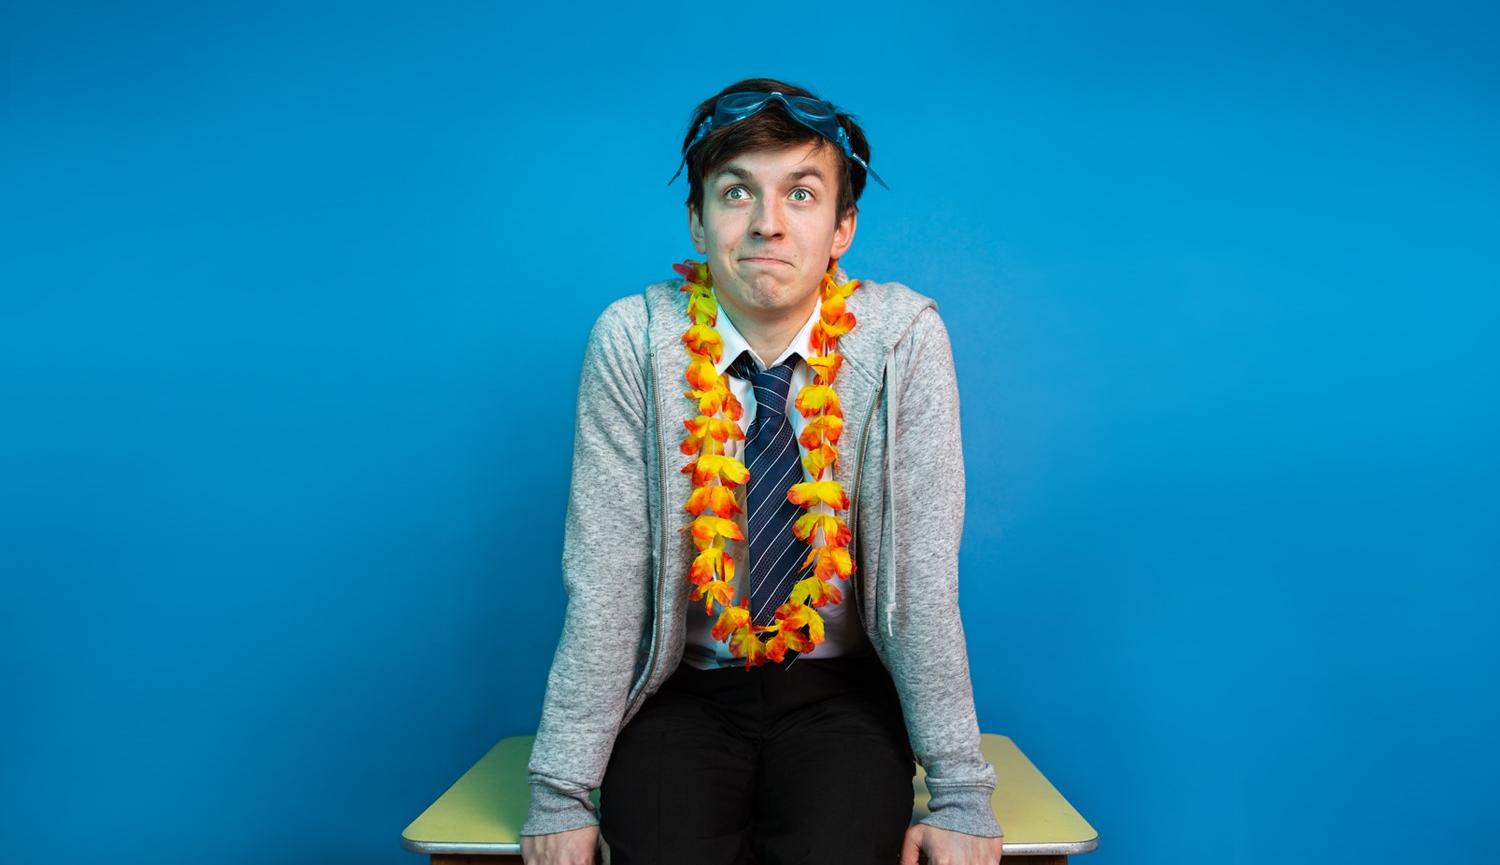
842 634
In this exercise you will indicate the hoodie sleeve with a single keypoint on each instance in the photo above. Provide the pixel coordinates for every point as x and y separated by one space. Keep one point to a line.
925 646
606 557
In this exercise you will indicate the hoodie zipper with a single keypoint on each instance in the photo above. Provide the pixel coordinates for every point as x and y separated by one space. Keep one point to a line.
661 583
859 473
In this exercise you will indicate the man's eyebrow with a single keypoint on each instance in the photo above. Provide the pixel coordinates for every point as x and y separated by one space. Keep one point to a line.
794 174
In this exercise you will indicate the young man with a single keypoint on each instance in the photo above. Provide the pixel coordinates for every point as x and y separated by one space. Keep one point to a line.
780 724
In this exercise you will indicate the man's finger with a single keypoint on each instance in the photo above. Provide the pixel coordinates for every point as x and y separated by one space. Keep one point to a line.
910 847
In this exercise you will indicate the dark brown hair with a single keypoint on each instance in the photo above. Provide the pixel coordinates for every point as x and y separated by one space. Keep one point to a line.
771 128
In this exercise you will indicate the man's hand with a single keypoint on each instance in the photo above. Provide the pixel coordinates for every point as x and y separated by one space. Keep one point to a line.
946 847
573 847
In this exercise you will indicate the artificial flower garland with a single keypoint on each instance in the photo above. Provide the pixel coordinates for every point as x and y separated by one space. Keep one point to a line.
798 626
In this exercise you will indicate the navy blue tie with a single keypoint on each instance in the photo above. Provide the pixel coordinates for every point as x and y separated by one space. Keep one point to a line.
775 463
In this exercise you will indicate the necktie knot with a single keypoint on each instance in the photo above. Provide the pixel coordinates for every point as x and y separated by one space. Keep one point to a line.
771 385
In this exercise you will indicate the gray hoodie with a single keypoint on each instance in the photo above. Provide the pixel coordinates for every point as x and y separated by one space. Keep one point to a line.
625 560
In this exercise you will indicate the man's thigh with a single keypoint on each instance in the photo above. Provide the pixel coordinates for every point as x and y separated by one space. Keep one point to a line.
679 787
835 782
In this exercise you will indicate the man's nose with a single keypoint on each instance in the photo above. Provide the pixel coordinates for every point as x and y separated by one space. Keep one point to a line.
768 221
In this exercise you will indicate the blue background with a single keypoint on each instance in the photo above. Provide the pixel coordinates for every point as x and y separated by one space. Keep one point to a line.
294 300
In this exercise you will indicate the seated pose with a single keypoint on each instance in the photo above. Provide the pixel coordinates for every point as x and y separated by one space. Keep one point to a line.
761 549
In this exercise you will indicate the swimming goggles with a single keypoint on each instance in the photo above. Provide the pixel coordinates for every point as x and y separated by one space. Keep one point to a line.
816 114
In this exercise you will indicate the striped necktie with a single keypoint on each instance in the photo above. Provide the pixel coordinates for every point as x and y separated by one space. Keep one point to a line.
775 463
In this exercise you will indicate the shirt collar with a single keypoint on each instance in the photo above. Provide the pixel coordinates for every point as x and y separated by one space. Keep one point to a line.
735 344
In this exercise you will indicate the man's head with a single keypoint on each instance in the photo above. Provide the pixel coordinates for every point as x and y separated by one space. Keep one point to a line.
770 187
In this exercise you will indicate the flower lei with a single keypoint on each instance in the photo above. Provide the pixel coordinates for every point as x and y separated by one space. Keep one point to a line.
798 626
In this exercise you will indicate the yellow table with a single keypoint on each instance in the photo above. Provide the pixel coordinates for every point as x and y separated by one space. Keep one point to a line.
478 820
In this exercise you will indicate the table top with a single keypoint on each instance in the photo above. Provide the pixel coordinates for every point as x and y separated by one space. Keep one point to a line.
483 811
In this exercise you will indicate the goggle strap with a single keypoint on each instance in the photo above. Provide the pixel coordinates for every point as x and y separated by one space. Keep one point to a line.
842 141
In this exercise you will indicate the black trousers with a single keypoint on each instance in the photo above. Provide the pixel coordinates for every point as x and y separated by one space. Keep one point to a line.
777 766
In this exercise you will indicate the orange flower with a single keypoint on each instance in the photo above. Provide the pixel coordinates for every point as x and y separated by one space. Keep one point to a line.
706 566
721 429
694 272
744 644
703 341
719 499
714 590
728 470
794 616
731 620
824 428
819 458
715 398
732 408
697 436
706 530
825 366
702 374
835 532
811 493
710 400
784 641
836 326
830 562
816 398
833 296
819 340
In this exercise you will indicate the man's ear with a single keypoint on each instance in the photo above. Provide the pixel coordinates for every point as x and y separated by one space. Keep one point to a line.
695 230
843 234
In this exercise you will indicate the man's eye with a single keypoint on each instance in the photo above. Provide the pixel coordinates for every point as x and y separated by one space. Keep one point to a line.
733 189
803 189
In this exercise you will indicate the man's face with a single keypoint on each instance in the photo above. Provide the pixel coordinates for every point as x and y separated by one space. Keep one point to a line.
769 228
